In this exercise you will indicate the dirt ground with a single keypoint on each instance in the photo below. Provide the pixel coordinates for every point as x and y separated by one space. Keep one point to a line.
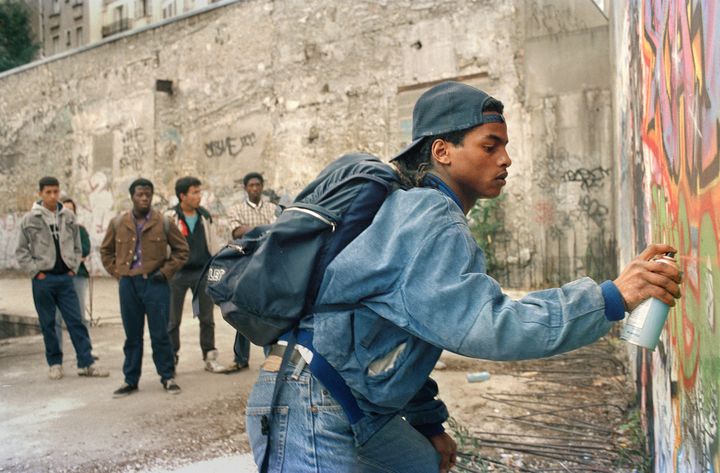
569 413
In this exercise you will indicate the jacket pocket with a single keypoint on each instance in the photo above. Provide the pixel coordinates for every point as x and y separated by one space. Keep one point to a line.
38 236
381 346
124 251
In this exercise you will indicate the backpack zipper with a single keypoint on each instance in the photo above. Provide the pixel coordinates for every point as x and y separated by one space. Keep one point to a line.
312 213
237 248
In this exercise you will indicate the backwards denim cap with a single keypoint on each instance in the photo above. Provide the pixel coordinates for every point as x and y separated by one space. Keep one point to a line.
450 106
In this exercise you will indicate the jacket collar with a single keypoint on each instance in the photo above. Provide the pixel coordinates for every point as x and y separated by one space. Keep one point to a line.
129 220
204 213
39 209
431 180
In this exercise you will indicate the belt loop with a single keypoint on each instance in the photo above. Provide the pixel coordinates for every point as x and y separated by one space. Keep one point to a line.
298 369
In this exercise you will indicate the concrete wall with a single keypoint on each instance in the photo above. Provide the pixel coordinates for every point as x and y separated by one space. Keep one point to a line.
667 128
284 87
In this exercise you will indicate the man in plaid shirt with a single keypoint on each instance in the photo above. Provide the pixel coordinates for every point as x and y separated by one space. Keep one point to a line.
253 212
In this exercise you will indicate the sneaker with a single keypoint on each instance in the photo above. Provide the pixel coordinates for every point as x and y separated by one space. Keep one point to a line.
171 386
125 390
235 367
440 365
211 363
56 372
93 371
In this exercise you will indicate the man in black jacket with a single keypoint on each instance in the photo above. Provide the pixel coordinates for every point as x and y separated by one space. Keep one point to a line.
196 224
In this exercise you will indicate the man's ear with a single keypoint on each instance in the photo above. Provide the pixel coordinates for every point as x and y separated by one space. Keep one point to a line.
441 151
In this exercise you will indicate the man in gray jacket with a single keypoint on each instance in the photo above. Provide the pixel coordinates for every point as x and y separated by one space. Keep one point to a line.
49 251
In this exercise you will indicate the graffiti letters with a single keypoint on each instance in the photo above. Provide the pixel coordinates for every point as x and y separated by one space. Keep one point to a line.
588 178
593 209
133 149
231 146
82 162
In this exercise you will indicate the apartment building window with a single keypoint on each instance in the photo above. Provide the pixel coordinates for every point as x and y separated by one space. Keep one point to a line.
56 44
68 38
170 10
142 8
79 36
118 14
120 22
56 7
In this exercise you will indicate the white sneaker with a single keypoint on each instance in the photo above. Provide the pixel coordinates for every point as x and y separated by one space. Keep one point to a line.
440 365
56 372
93 371
211 363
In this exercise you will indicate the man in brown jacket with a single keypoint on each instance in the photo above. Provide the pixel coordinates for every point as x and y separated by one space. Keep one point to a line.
135 251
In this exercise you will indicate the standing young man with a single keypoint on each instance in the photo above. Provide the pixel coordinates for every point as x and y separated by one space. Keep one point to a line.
135 251
196 225
49 251
253 212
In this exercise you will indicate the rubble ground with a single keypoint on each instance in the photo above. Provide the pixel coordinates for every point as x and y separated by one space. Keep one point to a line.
567 413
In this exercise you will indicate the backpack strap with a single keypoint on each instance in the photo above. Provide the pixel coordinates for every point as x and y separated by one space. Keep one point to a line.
166 225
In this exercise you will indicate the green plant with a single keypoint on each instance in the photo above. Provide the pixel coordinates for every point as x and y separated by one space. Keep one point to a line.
630 444
486 220
16 39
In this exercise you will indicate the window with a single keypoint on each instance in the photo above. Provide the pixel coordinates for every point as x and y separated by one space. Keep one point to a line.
79 36
118 14
56 44
142 8
56 7
170 11
68 40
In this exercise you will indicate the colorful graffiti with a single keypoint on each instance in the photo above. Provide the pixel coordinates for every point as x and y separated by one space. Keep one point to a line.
673 69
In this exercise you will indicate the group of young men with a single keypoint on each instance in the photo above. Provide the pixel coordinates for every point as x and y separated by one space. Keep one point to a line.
155 256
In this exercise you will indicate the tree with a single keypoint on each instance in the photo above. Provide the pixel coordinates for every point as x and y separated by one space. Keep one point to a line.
16 39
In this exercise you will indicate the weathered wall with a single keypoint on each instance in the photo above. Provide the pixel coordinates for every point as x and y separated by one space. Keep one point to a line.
283 87
667 129
561 201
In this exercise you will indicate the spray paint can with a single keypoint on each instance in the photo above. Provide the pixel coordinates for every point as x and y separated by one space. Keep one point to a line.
646 321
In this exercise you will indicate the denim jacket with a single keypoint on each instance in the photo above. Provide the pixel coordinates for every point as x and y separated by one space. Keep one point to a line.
417 280
35 250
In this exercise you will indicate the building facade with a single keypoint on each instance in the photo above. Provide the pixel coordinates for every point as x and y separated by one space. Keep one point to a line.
66 25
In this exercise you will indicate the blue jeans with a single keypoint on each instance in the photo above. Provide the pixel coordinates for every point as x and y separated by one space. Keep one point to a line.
241 348
309 432
54 292
140 296
81 289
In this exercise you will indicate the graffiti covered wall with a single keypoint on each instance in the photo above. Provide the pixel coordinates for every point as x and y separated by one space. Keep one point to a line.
667 134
